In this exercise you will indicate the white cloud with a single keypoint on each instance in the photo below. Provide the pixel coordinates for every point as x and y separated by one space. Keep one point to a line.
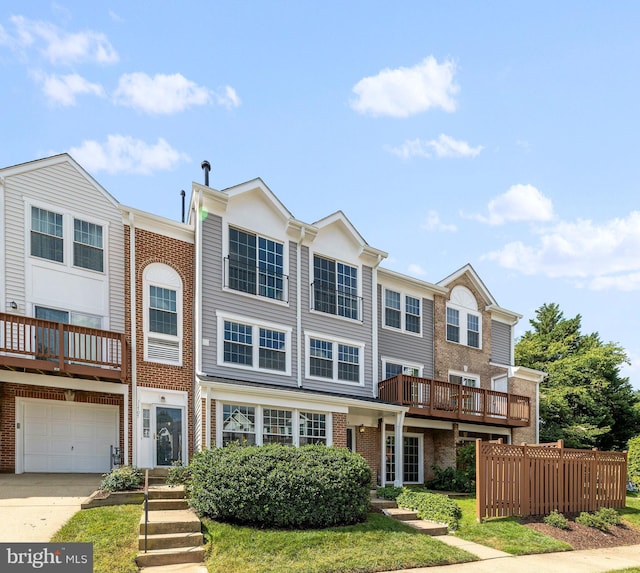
60 47
165 94
433 223
406 91
600 256
519 203
62 90
124 154
444 146
417 270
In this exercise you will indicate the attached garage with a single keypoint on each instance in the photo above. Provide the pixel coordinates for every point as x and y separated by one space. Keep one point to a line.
61 436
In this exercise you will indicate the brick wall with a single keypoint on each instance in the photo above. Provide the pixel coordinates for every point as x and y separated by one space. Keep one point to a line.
179 255
368 446
340 430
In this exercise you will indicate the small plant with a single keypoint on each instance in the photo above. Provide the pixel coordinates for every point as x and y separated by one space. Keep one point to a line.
451 479
179 474
592 520
556 519
388 492
124 478
432 506
609 515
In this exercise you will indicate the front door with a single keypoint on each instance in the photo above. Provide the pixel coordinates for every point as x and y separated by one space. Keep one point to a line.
168 430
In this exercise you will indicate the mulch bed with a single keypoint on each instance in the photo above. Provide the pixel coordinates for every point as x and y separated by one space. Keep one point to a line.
583 537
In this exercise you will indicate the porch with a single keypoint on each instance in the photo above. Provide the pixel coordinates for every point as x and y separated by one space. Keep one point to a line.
36 345
448 401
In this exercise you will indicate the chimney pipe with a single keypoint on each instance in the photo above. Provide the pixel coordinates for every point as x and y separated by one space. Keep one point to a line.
206 167
182 194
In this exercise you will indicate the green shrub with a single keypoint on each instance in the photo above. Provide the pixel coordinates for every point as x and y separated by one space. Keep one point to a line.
388 492
124 478
281 486
451 479
633 462
432 506
556 519
609 515
179 475
592 520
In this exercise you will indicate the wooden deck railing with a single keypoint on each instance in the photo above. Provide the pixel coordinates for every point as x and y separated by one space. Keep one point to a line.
42 345
438 399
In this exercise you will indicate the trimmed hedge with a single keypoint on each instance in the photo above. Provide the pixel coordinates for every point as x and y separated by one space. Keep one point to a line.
431 506
281 486
124 478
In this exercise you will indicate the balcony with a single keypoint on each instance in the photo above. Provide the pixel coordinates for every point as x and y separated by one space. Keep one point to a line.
36 345
447 401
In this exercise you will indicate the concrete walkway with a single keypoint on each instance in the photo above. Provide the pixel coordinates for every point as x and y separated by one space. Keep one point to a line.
34 506
587 561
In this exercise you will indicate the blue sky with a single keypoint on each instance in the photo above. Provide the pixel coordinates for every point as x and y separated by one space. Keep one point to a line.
501 134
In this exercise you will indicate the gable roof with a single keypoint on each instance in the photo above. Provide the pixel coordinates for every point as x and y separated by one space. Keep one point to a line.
475 279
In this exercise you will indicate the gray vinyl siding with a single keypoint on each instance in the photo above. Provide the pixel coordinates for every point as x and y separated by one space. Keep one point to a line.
214 299
62 186
500 342
332 326
405 347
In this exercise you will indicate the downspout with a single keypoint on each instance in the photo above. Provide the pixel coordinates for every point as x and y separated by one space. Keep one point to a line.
197 317
134 346
299 306
374 329
3 226
538 412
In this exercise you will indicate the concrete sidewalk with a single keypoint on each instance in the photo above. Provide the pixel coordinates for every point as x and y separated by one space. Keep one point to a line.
34 506
587 561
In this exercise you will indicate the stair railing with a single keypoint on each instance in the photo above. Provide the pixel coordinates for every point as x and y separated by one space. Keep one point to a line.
146 506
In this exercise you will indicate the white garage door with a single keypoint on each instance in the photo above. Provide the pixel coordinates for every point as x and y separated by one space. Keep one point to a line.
68 436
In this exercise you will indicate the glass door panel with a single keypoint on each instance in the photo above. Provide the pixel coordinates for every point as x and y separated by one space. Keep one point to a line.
168 435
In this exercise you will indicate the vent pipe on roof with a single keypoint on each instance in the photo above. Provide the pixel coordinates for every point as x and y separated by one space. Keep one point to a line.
206 167
183 194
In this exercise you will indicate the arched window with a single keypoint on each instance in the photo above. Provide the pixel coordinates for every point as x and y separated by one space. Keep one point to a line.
464 321
162 321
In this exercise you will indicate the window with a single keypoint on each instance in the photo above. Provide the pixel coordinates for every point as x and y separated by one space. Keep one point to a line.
335 288
87 245
313 428
402 311
247 344
162 322
238 424
278 427
392 369
47 235
163 314
464 321
275 426
334 360
255 265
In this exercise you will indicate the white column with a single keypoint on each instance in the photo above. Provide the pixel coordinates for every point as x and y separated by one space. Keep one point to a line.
398 449
383 453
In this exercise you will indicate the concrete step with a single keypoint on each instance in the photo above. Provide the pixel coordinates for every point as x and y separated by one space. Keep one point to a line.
400 514
378 504
171 540
167 504
428 527
171 521
177 568
165 492
158 557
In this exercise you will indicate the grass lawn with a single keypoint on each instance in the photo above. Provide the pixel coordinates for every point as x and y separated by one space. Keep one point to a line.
631 513
504 533
379 544
113 532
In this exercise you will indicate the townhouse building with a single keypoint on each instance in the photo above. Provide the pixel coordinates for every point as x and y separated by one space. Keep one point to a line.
123 331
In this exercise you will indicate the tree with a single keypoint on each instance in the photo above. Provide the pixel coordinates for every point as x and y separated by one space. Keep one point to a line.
583 399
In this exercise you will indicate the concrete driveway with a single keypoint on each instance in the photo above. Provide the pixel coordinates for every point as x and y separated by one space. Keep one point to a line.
34 506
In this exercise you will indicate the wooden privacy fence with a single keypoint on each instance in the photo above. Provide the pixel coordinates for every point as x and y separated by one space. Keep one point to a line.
534 480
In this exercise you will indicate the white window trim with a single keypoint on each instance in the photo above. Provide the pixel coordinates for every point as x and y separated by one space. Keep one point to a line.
463 313
404 363
420 456
403 311
312 255
334 340
285 264
68 218
255 347
172 281
259 425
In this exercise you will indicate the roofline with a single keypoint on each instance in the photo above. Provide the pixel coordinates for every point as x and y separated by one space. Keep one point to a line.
157 224
415 282
469 268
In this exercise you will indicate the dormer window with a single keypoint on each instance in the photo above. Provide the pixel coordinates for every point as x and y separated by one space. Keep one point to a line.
464 321
255 265
335 288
